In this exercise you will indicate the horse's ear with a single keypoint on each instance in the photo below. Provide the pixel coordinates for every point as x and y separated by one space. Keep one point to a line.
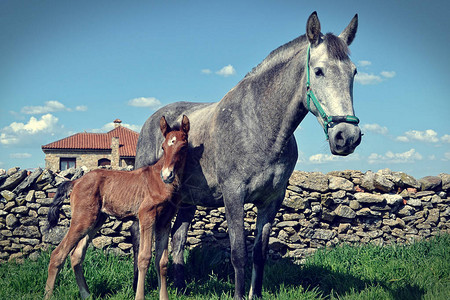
313 29
165 128
185 124
350 31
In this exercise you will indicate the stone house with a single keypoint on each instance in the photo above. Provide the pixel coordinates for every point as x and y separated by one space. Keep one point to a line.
116 148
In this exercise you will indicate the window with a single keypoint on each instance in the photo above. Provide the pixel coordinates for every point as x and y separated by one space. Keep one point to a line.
104 162
67 163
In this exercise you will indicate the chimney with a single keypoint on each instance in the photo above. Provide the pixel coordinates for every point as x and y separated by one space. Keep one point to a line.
115 156
117 123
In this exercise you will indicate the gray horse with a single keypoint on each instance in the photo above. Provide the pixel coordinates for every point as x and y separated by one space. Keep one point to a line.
242 149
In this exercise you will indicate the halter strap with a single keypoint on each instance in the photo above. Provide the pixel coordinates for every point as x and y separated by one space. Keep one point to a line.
328 121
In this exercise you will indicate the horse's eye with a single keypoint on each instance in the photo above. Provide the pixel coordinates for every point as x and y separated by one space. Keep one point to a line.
318 72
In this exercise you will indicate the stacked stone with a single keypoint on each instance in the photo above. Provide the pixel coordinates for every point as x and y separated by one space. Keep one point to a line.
323 210
319 210
25 200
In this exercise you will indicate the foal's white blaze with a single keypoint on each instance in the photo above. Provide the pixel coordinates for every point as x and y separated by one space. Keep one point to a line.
172 141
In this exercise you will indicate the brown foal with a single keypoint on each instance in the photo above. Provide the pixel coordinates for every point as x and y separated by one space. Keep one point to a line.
148 194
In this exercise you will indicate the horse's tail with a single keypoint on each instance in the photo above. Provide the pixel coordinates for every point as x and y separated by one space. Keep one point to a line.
61 194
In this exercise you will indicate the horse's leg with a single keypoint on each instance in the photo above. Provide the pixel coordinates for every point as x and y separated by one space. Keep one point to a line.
77 230
179 235
146 227
234 211
78 254
162 231
135 237
266 215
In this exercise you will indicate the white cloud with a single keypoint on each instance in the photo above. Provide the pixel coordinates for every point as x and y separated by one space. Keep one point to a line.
20 155
18 132
110 126
136 128
376 128
388 74
390 157
226 71
50 106
445 138
145 102
321 158
427 136
364 63
366 78
446 156
401 138
34 125
370 78
81 108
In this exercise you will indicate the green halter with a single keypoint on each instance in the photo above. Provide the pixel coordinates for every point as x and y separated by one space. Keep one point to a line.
328 121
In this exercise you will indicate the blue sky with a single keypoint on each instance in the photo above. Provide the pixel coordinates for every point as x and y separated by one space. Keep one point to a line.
74 66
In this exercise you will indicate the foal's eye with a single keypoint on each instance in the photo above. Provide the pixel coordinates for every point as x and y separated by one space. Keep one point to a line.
318 72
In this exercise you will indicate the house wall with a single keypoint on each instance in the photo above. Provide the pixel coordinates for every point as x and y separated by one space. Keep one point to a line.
83 158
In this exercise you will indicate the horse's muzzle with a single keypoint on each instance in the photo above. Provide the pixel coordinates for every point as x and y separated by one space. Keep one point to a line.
344 138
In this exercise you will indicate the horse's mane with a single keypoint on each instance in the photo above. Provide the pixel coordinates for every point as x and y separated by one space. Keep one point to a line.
278 52
336 48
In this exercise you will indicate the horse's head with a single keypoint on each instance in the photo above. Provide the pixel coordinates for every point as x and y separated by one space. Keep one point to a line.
175 149
330 75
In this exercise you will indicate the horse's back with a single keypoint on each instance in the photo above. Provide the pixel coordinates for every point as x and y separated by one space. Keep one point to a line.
148 149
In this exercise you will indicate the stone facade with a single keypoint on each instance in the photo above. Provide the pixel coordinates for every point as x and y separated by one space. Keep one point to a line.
87 158
319 210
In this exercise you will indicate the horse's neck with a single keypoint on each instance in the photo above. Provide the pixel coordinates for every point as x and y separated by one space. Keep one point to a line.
272 100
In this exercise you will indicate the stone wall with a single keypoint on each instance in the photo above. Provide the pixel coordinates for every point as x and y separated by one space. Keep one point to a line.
319 210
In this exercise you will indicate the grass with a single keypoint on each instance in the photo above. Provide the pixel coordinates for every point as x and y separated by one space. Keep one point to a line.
417 271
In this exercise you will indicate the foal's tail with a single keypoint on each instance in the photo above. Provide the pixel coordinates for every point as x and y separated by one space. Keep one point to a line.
61 194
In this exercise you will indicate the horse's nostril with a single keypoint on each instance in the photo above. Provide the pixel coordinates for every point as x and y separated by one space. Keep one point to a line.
339 139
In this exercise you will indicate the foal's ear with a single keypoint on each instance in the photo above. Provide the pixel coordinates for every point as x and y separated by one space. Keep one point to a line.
313 29
185 124
350 31
165 128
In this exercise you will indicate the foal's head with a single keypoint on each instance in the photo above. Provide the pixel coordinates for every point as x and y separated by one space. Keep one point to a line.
175 149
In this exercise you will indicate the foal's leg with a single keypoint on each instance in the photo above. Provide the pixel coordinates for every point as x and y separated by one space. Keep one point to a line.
146 224
78 254
180 229
135 238
77 231
266 215
162 231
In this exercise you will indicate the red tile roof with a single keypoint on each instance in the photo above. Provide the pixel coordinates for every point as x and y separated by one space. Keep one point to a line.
99 141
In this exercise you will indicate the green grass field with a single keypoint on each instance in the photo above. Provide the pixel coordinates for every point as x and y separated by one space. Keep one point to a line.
418 271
